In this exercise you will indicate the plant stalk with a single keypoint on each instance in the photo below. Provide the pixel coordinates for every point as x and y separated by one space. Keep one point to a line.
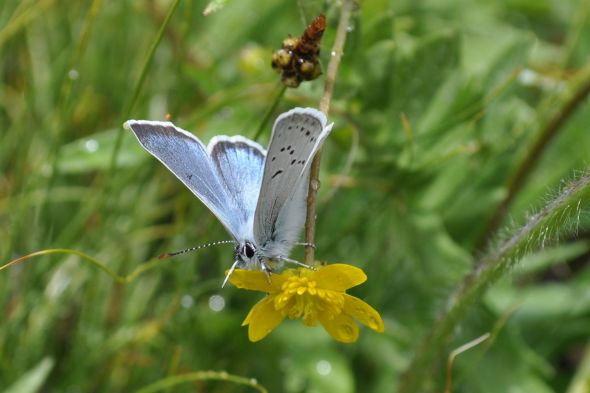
314 183
556 220
516 183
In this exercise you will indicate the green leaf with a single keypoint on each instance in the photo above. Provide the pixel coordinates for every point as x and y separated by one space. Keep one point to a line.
420 71
93 153
32 380
214 6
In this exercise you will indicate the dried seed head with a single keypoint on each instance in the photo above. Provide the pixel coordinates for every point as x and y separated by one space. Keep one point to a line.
298 60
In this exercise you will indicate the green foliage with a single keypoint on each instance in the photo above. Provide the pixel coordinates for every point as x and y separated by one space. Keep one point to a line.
437 105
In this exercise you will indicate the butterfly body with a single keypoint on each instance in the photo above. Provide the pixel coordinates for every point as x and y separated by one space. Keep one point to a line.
258 195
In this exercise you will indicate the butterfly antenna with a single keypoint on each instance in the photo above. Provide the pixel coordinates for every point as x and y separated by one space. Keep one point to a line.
171 254
293 261
231 270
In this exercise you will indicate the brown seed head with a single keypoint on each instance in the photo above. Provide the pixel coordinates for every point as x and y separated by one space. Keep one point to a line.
309 43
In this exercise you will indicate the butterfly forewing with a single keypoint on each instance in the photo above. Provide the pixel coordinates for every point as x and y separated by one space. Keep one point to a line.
185 156
296 136
239 162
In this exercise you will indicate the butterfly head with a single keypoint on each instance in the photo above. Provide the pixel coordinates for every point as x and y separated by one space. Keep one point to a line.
249 256
246 255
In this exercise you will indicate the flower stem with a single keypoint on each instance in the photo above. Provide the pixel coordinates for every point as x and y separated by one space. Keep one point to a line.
336 54
556 220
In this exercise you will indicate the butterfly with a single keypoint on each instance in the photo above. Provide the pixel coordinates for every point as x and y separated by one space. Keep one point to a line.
257 195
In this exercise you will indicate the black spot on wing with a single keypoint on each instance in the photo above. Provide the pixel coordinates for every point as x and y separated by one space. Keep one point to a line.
277 173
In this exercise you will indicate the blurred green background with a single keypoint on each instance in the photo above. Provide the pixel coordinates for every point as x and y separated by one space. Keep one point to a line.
437 104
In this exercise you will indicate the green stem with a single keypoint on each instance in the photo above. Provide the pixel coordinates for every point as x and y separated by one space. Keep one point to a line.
557 219
201 376
138 86
580 381
106 182
20 20
64 104
270 111
94 262
526 168
88 258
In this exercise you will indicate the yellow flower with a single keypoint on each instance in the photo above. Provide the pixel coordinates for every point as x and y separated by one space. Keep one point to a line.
310 295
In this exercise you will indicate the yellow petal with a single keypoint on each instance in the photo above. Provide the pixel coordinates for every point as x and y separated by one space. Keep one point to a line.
342 327
262 319
362 311
256 280
339 277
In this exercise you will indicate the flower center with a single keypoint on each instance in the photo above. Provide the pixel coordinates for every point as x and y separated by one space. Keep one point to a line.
300 298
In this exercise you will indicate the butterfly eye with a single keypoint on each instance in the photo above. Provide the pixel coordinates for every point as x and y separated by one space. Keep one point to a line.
249 250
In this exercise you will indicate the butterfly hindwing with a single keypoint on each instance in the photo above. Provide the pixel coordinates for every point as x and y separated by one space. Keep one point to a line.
240 163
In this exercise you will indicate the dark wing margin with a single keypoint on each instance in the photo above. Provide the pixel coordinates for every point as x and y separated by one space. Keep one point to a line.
186 157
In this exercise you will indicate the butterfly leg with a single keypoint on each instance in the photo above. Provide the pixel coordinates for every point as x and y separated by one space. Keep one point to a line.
231 270
267 270
293 261
306 245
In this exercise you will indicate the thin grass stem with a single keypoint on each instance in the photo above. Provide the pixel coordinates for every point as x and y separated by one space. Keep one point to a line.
314 184
201 376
